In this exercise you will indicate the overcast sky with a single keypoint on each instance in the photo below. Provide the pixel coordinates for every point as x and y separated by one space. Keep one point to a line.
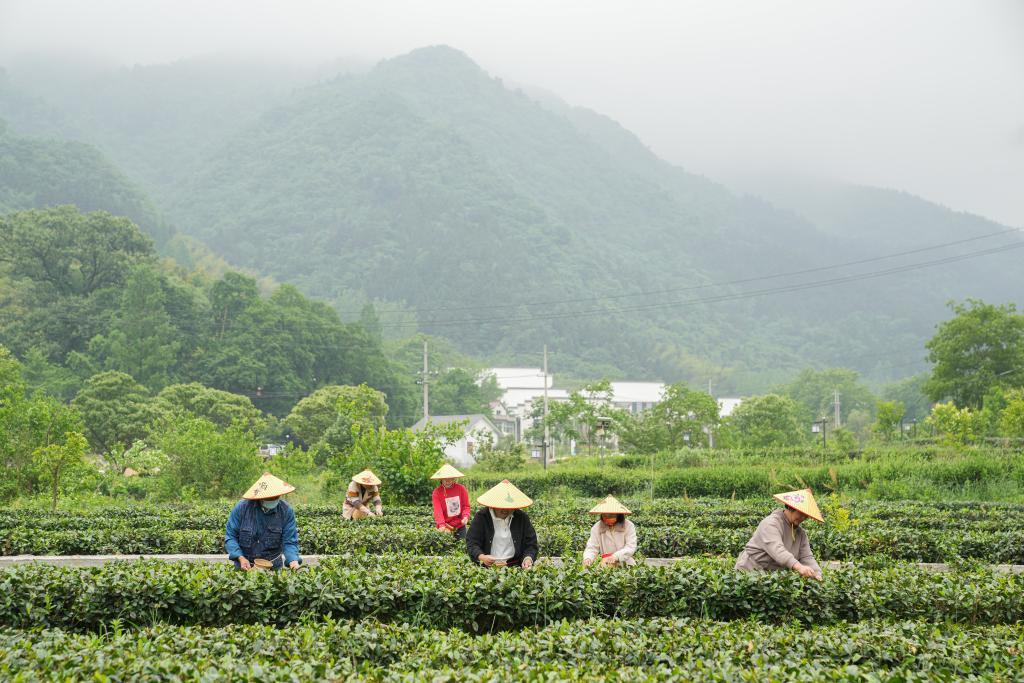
925 96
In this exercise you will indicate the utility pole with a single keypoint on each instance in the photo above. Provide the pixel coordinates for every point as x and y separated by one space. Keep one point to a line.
711 431
544 447
425 381
835 403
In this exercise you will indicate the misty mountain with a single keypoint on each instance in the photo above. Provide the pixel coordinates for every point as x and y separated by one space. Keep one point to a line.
36 173
509 219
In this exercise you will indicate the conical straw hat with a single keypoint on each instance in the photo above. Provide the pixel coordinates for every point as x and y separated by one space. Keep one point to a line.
366 478
802 500
268 486
610 506
447 472
505 496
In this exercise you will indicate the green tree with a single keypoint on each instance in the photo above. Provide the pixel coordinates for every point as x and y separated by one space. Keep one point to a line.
403 459
28 426
204 461
117 411
687 415
143 342
222 408
910 392
457 392
889 415
981 347
338 407
1011 420
57 460
814 391
68 267
957 426
766 421
42 375
71 252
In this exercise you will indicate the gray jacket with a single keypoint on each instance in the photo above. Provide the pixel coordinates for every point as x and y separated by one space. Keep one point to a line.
776 545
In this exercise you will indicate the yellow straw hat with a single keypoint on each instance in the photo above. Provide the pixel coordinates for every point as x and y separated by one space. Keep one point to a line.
610 506
447 472
505 496
366 478
268 486
801 500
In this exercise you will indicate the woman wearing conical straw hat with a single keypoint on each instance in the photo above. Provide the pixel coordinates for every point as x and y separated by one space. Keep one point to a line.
779 544
451 502
362 499
613 537
501 533
261 527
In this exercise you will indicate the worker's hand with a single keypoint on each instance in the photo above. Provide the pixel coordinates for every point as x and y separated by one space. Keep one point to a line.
294 564
527 562
485 560
609 561
244 563
587 561
806 572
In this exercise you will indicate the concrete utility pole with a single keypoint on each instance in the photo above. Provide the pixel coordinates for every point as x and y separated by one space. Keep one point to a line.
838 423
544 447
711 431
426 384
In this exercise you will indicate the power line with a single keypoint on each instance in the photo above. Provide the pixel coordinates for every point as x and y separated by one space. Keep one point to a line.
723 297
674 290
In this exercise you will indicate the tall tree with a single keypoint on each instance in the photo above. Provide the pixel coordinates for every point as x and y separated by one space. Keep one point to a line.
814 391
980 348
765 421
68 267
143 342
116 412
222 408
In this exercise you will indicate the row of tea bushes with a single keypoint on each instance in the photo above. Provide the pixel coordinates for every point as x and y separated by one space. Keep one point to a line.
762 480
327 537
641 649
718 512
453 593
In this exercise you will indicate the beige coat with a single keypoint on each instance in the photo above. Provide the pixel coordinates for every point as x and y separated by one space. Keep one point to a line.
777 545
618 540
359 497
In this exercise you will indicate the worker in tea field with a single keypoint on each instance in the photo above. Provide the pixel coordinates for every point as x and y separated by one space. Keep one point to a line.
613 537
501 533
451 502
261 529
779 543
362 499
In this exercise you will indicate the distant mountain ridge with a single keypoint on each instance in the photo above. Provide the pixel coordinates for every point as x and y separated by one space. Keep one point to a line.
510 220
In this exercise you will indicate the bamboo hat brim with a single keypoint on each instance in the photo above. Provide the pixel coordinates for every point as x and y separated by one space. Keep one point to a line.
447 472
268 486
367 478
801 500
610 506
505 496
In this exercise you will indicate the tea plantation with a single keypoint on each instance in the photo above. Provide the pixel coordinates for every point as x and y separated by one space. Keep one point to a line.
399 601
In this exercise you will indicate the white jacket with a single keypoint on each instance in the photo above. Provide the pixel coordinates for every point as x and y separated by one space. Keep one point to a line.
618 540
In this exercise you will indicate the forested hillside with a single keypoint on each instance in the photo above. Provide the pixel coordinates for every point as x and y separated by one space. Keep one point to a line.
36 173
505 220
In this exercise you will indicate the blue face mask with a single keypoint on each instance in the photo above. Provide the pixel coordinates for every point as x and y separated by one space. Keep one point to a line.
269 504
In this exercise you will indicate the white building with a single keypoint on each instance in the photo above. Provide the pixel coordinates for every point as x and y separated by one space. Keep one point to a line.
476 430
727 405
522 389
637 397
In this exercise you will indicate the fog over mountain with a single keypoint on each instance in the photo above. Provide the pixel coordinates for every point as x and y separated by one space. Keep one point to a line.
502 218
923 96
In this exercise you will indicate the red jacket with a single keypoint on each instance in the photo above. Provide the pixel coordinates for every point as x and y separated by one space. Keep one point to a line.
440 498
